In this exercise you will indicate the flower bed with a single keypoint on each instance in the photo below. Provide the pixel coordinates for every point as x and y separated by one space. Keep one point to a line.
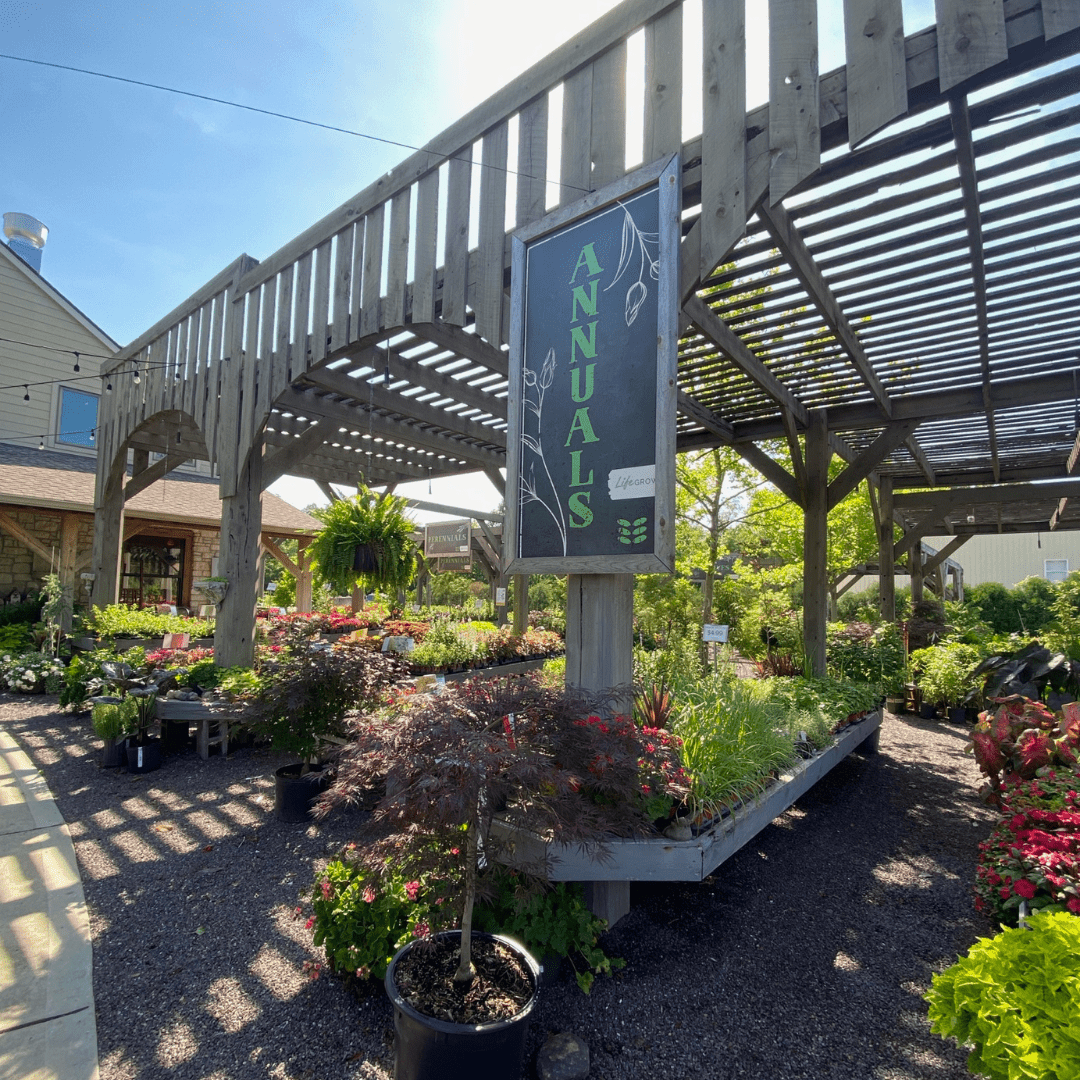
31 673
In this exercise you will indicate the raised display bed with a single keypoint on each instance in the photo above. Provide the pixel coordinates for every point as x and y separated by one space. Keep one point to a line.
657 858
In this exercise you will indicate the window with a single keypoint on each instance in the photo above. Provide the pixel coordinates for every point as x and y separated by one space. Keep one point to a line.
1056 569
78 417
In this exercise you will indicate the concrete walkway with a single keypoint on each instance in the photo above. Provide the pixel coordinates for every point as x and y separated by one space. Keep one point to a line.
47 1023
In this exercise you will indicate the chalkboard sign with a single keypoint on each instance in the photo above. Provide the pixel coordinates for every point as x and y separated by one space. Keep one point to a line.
592 398
447 538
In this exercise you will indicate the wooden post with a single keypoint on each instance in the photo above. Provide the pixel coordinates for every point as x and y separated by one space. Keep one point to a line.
886 562
303 579
600 636
69 538
109 532
815 541
915 568
241 525
521 603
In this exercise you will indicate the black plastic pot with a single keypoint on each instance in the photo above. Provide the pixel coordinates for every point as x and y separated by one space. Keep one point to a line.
295 795
958 714
174 734
430 1049
145 758
113 752
928 711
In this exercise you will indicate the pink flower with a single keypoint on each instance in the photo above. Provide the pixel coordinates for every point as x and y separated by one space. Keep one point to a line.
1026 889
1074 905
421 929
369 894
363 971
412 890
327 889
309 924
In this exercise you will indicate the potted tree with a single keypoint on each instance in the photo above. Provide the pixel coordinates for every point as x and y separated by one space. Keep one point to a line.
301 705
365 542
451 764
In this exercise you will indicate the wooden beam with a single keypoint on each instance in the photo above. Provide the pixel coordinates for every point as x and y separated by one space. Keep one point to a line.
731 345
815 542
13 528
886 558
876 69
773 471
497 480
785 235
292 453
306 403
935 561
456 511
705 417
965 160
267 542
991 494
927 524
377 396
152 473
798 463
855 473
328 491
472 347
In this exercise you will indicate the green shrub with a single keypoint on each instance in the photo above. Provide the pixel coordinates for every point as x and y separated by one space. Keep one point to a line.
946 673
996 606
1034 598
863 653
28 611
816 706
1016 999
113 720
15 637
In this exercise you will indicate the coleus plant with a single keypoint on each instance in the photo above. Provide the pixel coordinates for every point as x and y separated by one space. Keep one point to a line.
1020 737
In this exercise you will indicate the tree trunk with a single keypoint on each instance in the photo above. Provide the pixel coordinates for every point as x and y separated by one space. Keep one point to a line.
466 972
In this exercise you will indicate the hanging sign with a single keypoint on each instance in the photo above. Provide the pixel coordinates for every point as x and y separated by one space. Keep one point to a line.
592 395
447 538
453 562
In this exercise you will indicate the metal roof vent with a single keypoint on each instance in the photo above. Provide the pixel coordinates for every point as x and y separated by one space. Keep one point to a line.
26 237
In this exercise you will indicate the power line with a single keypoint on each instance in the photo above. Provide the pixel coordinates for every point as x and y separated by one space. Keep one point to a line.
272 112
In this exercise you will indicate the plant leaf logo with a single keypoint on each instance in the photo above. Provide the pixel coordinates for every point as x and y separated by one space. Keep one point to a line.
633 532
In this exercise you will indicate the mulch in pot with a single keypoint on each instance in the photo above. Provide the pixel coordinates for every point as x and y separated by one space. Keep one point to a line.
501 988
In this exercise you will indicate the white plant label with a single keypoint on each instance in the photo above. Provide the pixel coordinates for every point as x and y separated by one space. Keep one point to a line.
636 483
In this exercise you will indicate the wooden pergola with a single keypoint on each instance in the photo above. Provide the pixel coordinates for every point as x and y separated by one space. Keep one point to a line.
882 263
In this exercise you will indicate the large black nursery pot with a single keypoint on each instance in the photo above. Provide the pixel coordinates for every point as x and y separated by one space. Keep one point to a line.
113 752
429 1049
145 758
295 794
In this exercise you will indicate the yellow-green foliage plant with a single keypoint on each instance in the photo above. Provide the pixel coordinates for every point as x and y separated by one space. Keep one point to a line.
1015 998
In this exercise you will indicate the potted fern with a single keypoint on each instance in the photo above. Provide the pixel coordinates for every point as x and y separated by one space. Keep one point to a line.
365 543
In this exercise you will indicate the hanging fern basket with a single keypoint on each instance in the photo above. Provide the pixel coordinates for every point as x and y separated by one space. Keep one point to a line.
366 558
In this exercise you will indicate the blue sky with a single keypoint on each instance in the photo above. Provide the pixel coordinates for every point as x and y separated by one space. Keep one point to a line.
147 195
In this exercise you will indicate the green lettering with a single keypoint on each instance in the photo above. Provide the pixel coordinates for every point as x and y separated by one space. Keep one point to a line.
575 470
592 264
583 424
586 302
575 383
578 340
578 506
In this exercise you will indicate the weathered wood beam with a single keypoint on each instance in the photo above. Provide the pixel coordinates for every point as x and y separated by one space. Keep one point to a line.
365 393
289 455
990 494
705 417
456 511
798 463
917 452
267 542
1070 464
310 404
815 542
13 528
773 471
152 473
731 345
965 160
785 236
497 480
328 491
877 452
927 524
470 346
954 544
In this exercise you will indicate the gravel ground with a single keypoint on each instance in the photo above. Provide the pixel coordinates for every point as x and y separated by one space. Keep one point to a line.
804 956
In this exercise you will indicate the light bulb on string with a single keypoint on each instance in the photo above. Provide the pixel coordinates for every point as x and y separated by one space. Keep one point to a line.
76 362
136 378
41 443
92 430
26 396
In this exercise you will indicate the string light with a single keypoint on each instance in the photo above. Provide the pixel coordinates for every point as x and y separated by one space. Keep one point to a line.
26 396
92 432
136 378
41 443
76 361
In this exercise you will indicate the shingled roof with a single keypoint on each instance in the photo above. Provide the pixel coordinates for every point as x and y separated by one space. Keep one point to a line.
58 481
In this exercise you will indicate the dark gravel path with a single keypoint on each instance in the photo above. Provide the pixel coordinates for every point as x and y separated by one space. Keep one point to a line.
803 957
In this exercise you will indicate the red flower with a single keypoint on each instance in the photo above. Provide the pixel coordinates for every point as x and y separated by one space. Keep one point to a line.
1025 888
412 890
369 894
1074 905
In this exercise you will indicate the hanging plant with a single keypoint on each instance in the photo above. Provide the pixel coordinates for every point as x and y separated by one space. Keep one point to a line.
365 540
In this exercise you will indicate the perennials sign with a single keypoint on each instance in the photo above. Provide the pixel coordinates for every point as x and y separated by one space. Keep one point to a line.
592 396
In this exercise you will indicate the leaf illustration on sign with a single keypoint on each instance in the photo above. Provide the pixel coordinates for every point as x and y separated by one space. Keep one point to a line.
529 490
633 532
635 240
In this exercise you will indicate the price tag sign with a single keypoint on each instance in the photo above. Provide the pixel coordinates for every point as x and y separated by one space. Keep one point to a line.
714 632
500 597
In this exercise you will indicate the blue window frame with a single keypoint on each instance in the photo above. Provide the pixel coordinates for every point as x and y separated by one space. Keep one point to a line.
78 417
